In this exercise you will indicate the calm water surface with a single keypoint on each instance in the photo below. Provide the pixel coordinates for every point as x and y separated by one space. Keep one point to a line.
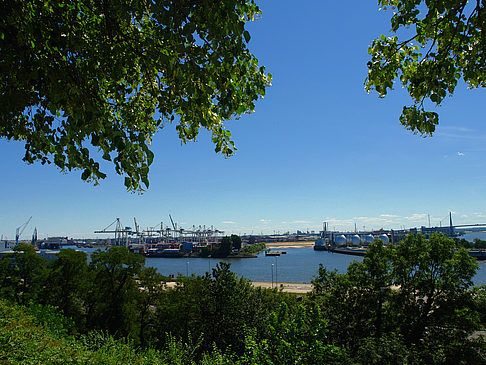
299 265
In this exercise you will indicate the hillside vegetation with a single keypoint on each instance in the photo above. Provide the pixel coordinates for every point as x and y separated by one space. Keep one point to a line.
413 303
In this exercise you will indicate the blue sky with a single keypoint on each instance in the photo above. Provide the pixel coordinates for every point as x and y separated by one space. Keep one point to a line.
318 148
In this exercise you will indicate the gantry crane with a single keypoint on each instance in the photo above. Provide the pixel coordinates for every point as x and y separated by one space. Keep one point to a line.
121 234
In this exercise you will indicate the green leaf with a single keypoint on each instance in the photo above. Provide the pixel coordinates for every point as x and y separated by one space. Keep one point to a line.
247 36
448 45
117 82
85 175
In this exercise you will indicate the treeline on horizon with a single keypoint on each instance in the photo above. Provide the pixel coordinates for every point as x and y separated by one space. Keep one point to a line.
411 303
475 244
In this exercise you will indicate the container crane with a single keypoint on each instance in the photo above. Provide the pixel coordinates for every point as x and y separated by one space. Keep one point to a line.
137 230
121 234
20 230
173 225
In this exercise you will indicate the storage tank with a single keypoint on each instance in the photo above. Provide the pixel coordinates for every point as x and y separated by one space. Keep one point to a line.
340 240
369 239
384 238
356 240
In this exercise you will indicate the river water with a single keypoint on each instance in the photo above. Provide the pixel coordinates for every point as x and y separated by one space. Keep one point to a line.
299 265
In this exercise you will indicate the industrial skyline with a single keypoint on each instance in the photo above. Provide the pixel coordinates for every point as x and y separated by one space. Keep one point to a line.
362 224
318 148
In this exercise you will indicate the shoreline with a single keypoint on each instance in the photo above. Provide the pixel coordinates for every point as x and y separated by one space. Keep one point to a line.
296 288
289 244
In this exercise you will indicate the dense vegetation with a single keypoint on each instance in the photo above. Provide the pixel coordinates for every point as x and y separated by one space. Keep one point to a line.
229 244
476 244
412 303
87 81
254 248
432 46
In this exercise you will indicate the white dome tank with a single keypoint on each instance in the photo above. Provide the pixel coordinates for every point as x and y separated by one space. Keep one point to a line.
384 238
369 239
356 240
340 240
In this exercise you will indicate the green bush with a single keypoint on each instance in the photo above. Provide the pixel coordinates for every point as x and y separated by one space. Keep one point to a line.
254 248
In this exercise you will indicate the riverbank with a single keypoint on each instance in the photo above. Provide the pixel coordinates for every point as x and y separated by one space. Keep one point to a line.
290 244
297 288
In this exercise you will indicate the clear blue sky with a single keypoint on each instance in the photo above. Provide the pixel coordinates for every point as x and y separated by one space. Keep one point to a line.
317 148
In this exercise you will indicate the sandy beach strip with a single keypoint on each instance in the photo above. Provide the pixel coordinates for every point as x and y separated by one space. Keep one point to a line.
298 288
295 244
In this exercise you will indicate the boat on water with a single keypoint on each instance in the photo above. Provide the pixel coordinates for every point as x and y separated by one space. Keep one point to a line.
354 251
274 252
162 252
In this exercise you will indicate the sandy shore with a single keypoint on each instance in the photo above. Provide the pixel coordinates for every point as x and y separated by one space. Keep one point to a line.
296 244
298 288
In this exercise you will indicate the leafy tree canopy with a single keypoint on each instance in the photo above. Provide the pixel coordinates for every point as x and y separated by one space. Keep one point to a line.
440 42
409 303
22 274
97 78
236 241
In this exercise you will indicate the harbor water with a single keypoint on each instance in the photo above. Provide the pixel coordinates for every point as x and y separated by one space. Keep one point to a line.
299 265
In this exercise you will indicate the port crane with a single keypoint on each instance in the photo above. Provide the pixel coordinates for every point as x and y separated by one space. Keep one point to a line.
20 230
121 234
137 229
170 233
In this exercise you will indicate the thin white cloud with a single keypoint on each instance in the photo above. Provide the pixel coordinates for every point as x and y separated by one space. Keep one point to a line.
460 154
474 137
388 215
479 215
456 128
265 220
301 222
228 222
416 217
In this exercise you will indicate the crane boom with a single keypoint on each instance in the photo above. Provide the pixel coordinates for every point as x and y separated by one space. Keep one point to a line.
173 225
136 225
20 230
